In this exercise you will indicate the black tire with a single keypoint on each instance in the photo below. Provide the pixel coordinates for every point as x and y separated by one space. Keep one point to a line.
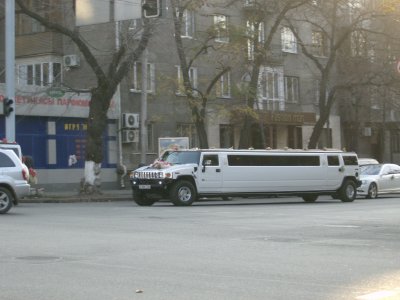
348 191
6 200
182 193
335 196
142 200
311 198
372 191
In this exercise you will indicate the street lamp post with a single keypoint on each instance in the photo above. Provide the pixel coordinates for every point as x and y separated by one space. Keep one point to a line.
10 66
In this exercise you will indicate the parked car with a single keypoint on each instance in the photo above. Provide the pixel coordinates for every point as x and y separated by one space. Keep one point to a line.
367 161
13 180
379 179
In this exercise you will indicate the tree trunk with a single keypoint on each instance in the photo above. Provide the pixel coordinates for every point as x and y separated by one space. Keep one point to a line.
97 123
312 144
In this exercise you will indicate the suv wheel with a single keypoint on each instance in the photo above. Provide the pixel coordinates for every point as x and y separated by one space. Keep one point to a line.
6 200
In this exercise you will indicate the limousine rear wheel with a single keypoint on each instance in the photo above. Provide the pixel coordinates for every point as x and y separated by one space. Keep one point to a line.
348 191
183 193
310 198
141 199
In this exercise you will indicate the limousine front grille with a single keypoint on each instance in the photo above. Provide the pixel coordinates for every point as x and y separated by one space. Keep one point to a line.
148 175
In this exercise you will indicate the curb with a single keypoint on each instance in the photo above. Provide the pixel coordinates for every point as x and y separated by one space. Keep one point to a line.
73 200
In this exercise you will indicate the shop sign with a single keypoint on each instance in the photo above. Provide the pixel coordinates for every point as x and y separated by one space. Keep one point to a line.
289 118
55 92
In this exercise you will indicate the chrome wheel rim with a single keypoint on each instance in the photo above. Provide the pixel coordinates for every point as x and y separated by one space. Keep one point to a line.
350 192
184 194
4 200
373 191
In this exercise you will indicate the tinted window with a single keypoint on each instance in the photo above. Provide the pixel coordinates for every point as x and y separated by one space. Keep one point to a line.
210 160
5 161
181 157
333 160
273 160
350 160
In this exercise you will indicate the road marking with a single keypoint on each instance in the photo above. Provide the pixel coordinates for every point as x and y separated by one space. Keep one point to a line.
342 226
391 294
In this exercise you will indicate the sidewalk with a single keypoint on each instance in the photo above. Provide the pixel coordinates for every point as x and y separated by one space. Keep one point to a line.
74 196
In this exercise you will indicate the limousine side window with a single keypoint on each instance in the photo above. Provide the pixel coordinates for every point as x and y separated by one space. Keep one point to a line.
333 160
210 160
273 160
350 160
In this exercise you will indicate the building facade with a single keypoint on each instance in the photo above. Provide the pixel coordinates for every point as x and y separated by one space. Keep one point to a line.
53 83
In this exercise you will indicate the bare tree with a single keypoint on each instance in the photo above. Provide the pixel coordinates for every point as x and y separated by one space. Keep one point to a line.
108 78
275 12
197 98
334 24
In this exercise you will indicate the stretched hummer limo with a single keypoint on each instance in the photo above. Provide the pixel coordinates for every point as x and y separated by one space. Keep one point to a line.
183 176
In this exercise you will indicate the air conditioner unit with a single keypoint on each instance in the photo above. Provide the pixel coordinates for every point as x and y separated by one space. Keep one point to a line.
367 131
130 120
130 136
71 60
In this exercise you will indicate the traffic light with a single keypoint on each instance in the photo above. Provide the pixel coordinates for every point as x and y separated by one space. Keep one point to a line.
7 106
151 8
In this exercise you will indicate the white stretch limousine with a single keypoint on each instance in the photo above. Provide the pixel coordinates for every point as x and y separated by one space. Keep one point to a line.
186 175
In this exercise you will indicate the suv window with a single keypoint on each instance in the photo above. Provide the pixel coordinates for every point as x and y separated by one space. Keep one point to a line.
210 160
350 160
5 161
333 160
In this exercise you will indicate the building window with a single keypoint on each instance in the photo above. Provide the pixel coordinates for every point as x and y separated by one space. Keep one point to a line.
395 141
358 44
318 43
289 42
39 74
226 137
295 137
187 29
221 28
250 41
224 86
270 89
25 24
291 89
137 77
193 80
188 130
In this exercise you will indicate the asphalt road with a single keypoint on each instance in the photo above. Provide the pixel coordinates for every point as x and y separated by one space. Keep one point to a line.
276 249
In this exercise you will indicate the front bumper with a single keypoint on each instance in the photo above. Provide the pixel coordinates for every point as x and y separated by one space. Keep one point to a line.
150 185
362 190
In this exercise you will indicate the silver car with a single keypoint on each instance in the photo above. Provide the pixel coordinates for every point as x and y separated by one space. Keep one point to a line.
379 179
13 180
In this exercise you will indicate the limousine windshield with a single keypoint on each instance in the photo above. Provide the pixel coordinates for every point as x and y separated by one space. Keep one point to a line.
181 157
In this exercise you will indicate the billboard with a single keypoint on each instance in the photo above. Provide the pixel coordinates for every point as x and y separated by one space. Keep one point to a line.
88 12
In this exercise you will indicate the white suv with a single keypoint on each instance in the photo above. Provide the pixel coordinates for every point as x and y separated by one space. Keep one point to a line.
13 180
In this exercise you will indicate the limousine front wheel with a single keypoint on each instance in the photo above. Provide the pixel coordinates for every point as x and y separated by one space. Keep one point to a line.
348 191
183 193
141 199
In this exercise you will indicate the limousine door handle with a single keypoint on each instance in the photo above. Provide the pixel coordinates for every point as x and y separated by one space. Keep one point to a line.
218 170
